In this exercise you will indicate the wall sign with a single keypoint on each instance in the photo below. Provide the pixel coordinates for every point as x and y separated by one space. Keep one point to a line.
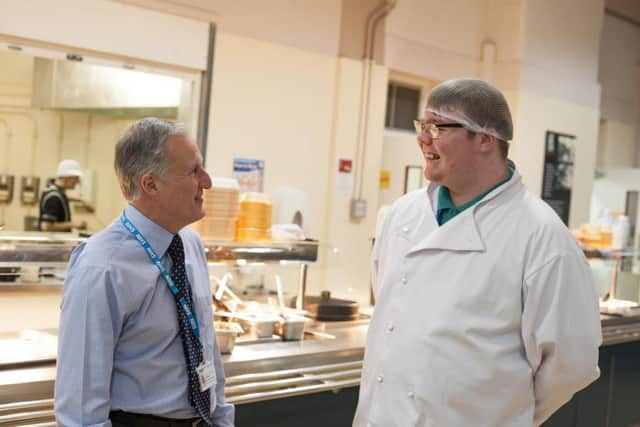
344 177
385 179
249 173
557 180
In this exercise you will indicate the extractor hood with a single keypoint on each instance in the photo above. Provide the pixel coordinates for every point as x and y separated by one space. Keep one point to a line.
67 85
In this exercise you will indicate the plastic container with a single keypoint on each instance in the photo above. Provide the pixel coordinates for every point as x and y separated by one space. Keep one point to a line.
620 233
259 326
226 333
292 328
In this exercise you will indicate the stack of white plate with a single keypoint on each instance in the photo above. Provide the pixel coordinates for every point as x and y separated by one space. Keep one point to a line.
221 204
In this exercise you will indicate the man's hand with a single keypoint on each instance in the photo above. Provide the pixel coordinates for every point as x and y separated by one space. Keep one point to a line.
87 205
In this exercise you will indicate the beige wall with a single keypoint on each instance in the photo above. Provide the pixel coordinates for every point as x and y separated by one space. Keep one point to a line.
273 103
348 242
399 150
616 145
619 74
299 114
419 38
109 28
399 147
310 25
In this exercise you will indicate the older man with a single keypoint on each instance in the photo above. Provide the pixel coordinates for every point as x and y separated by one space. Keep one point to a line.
136 344
486 313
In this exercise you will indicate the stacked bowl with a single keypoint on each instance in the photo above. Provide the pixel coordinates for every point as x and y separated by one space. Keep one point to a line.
254 218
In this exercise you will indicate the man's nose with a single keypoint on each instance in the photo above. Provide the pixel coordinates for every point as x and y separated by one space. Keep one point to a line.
205 180
424 140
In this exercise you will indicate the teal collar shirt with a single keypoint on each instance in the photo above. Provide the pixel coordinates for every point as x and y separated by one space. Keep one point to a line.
447 210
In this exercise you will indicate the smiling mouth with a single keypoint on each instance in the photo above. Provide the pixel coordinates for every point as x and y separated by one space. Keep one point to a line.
431 156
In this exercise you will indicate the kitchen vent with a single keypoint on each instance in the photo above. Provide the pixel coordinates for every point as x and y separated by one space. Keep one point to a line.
67 85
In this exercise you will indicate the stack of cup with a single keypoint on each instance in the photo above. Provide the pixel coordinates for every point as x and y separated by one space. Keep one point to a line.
254 218
221 204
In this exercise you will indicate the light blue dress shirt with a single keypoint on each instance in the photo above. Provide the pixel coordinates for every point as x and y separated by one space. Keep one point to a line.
119 344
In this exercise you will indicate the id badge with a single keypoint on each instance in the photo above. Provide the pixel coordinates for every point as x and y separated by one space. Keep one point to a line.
206 375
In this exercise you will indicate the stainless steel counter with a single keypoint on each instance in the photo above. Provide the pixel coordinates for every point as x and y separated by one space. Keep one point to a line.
618 329
330 358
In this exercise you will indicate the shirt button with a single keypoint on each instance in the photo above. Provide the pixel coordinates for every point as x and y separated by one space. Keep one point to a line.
380 379
411 395
390 328
405 229
404 280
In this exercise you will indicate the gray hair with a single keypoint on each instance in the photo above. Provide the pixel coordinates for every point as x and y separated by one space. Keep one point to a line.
481 102
141 150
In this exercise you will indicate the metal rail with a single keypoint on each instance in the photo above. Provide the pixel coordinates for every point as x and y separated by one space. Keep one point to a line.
38 412
249 388
619 334
239 389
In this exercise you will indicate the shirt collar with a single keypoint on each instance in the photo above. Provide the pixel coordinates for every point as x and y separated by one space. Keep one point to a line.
444 200
444 197
158 237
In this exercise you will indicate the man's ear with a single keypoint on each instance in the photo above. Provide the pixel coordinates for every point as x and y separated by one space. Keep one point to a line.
487 142
148 184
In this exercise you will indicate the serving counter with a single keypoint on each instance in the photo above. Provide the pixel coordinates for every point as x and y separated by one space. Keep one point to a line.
312 382
328 359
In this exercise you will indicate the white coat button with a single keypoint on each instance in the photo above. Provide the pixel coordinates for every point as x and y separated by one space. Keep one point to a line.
405 229
390 327
404 280
411 395
380 379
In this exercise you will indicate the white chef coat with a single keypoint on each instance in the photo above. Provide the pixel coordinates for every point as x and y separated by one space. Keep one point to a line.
488 320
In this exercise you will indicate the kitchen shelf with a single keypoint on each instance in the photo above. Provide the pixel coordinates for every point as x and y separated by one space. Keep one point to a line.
24 249
283 252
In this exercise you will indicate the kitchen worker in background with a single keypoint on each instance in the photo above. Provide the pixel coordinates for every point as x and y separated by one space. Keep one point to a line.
486 314
136 343
55 213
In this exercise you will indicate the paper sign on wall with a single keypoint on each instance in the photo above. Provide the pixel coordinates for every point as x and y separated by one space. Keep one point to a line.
385 179
249 173
344 177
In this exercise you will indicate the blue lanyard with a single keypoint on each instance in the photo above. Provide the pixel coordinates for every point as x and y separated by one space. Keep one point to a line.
155 259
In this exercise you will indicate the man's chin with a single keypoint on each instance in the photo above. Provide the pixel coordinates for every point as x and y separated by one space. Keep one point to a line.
430 176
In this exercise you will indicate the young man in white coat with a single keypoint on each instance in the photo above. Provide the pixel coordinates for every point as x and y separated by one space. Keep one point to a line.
485 312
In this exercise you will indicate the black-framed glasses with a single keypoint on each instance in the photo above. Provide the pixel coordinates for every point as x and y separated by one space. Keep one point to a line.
432 129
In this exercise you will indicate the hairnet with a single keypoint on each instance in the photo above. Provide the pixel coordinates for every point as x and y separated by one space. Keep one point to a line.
476 104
